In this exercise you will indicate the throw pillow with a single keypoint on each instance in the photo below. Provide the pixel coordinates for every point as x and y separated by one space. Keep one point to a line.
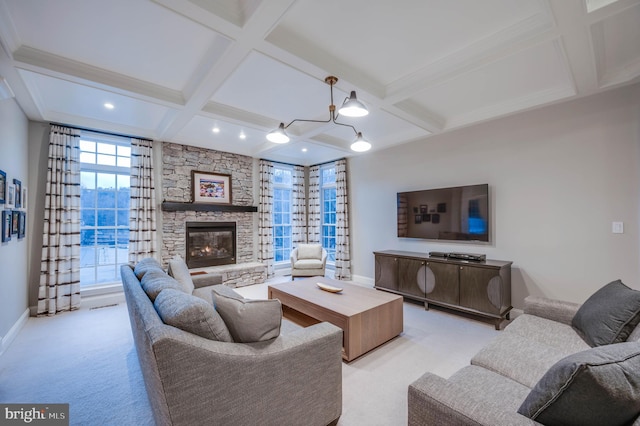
153 282
609 315
145 265
178 269
594 387
249 320
191 314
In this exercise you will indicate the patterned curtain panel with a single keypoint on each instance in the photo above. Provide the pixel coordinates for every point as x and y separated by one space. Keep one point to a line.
313 226
343 254
265 217
142 205
59 288
299 208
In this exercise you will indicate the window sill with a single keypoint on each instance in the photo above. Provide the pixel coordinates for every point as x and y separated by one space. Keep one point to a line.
102 295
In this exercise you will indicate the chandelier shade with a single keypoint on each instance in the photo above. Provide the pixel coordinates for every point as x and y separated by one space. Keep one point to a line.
360 144
278 135
351 107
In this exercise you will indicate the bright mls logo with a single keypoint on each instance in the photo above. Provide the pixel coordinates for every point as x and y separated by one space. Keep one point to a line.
36 414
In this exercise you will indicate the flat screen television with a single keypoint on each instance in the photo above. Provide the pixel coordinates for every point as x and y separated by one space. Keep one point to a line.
460 213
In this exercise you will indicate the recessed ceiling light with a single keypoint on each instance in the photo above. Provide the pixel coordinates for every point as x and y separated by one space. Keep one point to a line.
242 135
108 105
216 129
304 149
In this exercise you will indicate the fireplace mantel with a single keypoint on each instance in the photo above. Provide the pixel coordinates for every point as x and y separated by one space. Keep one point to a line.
169 206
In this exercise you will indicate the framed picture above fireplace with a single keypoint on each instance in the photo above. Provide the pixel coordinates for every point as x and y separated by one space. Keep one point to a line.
212 188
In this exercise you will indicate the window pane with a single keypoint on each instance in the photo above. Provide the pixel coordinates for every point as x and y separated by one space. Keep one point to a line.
122 238
106 237
107 274
88 217
86 157
87 146
88 198
106 160
106 218
124 162
124 182
88 180
106 148
124 151
106 199
123 217
87 237
87 256
106 180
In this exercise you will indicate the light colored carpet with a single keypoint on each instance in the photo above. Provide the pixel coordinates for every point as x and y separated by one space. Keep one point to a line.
87 358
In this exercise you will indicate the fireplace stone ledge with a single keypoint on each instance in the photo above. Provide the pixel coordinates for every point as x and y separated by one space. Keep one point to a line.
238 274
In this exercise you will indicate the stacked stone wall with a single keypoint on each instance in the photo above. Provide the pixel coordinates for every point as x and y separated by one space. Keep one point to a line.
177 163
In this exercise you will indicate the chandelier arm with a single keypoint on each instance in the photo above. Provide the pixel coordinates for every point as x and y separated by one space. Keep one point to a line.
310 121
344 124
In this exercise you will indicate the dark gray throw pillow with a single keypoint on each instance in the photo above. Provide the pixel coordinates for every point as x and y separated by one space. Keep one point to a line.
599 386
609 315
154 281
145 265
192 314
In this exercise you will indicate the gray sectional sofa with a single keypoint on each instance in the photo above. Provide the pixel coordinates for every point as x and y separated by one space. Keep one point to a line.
540 358
284 378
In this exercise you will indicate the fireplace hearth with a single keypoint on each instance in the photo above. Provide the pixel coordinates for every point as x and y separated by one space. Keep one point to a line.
210 244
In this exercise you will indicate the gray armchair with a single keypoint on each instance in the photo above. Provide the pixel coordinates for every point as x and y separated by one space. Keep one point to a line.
308 260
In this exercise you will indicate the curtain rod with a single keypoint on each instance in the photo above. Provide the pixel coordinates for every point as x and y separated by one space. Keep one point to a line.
327 162
299 165
86 129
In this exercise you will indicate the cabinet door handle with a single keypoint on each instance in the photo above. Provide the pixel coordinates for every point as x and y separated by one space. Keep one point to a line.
461 268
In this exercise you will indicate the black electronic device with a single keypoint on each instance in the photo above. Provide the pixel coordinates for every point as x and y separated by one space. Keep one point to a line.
438 254
456 214
472 257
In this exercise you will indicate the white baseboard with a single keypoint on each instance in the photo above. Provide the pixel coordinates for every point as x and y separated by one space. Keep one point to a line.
13 331
360 279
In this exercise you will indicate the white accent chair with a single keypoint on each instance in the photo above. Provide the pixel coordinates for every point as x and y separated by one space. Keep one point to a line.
308 260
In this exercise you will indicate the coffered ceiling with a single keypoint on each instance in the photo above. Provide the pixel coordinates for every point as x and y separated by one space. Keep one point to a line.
176 69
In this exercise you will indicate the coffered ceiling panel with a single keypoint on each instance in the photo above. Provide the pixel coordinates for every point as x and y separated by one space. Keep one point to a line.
174 69
133 38
60 100
524 79
617 54
264 86
389 40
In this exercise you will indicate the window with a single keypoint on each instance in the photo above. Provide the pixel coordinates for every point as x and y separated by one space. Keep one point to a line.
105 163
328 213
282 193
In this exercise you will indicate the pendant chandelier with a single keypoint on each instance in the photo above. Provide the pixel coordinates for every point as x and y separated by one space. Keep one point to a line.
351 107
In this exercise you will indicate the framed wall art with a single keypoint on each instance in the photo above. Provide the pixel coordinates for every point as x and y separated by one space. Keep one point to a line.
209 187
11 197
22 224
6 225
3 187
18 199
14 221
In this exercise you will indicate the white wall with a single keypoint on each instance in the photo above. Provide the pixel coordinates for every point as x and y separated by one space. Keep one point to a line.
557 176
13 254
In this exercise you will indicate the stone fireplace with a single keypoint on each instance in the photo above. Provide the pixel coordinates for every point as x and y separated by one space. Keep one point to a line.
210 243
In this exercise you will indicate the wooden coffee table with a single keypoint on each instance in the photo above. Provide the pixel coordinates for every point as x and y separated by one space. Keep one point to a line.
367 317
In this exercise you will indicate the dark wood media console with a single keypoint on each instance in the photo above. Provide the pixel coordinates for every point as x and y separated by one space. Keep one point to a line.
479 288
